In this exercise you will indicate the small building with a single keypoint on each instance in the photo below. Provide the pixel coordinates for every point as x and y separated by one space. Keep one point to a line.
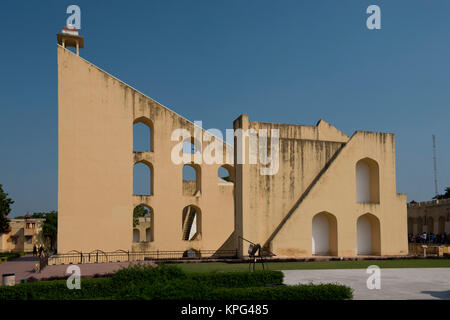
429 217
23 235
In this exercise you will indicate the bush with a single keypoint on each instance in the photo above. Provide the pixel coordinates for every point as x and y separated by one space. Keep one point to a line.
170 282
239 279
142 273
148 274
177 289
57 290
298 292
193 290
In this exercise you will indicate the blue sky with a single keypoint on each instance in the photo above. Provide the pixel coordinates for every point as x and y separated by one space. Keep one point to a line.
278 61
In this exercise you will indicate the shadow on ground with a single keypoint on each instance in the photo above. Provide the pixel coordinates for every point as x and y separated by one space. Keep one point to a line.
27 258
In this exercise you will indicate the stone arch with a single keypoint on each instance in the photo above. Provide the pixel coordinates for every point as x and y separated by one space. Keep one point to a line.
324 234
191 223
410 226
441 225
368 241
143 135
144 219
419 225
191 253
430 225
192 176
143 178
367 181
191 146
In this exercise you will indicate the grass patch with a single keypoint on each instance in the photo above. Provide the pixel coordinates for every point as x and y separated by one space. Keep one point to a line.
311 265
7 256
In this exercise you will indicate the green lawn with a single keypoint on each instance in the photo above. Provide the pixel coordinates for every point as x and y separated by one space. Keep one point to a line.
406 263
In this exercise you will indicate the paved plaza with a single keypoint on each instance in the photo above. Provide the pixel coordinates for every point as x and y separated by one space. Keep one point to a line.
396 284
23 268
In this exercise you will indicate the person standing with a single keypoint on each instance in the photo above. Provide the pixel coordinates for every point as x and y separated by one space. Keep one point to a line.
424 237
41 249
34 250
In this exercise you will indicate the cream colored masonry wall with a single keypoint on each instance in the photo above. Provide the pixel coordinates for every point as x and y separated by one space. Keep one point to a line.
300 162
263 201
335 193
95 192
322 131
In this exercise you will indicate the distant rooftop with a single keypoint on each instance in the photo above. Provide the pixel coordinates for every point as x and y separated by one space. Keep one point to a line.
429 203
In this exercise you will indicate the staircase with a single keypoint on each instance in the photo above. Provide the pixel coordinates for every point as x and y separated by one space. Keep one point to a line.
187 223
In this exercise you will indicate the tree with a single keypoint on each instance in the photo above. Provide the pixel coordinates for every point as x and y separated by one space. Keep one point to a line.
5 209
50 227
446 195
227 179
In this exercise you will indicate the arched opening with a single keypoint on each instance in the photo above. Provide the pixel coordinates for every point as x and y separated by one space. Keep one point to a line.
324 234
191 146
419 225
142 135
367 181
368 235
225 174
136 235
143 179
191 223
143 220
430 225
441 225
191 253
191 180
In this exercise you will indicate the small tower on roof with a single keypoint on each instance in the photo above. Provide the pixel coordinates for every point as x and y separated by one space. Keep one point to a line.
69 37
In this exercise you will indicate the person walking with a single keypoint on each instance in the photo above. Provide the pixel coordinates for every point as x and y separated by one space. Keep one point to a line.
34 250
41 249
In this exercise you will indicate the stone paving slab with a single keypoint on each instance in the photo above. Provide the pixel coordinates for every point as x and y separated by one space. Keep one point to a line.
396 283
23 267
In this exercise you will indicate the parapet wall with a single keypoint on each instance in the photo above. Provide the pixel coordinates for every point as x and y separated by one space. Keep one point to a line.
432 203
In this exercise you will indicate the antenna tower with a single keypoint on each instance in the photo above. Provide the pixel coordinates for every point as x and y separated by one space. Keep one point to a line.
435 166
